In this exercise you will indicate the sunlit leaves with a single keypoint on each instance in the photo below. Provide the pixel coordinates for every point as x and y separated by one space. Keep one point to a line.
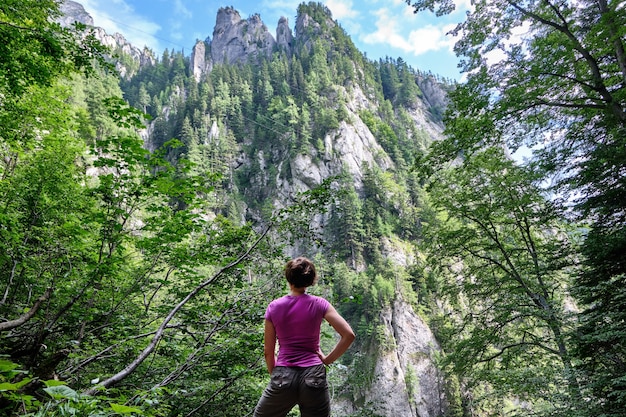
509 255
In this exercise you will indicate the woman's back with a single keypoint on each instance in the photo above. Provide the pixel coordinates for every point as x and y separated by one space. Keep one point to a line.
297 320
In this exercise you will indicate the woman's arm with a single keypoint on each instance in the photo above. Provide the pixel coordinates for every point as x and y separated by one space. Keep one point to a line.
342 327
269 346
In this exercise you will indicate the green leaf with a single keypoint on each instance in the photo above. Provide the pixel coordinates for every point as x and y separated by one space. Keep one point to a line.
124 409
61 392
8 386
6 366
54 383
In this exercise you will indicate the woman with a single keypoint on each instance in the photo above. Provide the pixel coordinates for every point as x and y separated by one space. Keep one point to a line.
298 375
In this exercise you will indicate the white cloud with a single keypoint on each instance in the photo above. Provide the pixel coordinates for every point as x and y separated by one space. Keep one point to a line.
341 9
417 42
176 22
175 31
429 38
181 10
117 16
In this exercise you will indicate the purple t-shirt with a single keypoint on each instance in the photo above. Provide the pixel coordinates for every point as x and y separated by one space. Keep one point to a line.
297 320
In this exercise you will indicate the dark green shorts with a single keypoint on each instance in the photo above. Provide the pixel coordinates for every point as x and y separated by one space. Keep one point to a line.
306 387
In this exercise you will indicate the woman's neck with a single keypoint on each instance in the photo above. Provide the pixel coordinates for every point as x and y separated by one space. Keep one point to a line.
295 291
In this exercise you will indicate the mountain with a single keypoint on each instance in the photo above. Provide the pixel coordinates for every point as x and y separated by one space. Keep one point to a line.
75 12
279 115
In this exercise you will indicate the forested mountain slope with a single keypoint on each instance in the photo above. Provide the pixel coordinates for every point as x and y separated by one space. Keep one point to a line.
279 117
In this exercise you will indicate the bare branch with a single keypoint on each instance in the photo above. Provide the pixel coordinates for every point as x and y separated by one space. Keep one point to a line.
514 345
159 333
8 325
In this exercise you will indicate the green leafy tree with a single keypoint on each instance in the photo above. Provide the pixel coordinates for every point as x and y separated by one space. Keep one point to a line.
143 98
389 78
512 257
36 50
409 92
559 90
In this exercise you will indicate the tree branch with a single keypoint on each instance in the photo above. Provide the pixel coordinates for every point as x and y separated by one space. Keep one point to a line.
594 67
159 333
514 345
8 325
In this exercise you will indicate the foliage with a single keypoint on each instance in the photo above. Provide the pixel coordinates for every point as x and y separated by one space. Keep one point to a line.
36 50
559 91
135 273
513 257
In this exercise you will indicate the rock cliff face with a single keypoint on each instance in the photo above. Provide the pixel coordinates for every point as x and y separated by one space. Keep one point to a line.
75 12
284 37
118 43
200 61
236 40
351 147
406 382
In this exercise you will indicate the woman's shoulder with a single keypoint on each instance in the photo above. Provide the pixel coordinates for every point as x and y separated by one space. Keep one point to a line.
317 297
319 300
279 300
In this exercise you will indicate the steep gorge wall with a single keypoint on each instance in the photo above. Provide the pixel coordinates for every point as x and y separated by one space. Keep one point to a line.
405 380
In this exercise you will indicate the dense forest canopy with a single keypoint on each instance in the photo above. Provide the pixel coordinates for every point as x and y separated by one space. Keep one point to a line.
145 219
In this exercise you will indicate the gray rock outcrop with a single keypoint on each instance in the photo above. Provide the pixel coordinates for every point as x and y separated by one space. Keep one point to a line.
307 30
118 43
236 40
73 12
406 381
284 36
200 61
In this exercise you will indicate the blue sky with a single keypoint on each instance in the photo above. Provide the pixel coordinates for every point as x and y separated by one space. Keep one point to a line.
378 28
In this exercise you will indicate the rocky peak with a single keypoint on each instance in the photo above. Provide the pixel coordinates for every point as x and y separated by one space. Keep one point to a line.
284 36
308 29
200 61
73 12
236 40
226 16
